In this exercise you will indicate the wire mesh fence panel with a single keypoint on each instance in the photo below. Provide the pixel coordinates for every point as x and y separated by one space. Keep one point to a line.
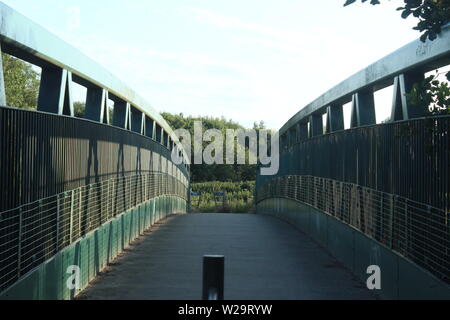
34 232
415 230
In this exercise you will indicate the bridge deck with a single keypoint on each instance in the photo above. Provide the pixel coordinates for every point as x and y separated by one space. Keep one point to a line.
265 258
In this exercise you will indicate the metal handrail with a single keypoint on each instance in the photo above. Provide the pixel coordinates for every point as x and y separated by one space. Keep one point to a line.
34 232
415 230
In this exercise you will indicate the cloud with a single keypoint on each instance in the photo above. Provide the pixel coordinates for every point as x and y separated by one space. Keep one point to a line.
176 81
248 72
278 39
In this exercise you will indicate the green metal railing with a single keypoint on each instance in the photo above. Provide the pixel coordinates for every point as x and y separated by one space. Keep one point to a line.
415 230
34 232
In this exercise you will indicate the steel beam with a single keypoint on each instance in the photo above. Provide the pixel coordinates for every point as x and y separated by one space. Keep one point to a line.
2 81
143 124
406 81
363 109
165 141
396 109
50 89
303 130
149 127
316 125
335 118
121 114
136 119
66 102
55 93
158 132
96 108
293 136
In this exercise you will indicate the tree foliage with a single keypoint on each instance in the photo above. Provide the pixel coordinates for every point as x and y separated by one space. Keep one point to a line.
21 83
78 109
432 93
432 15
220 172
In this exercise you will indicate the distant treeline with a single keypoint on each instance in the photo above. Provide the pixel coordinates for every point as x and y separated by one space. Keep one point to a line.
214 172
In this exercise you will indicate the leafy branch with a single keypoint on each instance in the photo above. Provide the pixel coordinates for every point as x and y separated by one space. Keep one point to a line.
432 93
432 15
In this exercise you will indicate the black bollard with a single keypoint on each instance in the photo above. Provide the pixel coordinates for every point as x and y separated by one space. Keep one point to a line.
213 277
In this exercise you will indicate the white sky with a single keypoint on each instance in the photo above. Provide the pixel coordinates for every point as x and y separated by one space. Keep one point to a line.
245 60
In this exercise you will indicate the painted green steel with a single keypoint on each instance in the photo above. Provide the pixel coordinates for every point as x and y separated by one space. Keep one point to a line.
43 48
414 56
400 277
92 252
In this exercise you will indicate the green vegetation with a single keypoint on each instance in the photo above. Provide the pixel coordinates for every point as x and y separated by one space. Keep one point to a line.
21 83
238 197
432 93
237 182
214 172
78 109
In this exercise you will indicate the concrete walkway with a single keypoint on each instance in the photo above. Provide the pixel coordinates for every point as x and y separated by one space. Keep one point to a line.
265 258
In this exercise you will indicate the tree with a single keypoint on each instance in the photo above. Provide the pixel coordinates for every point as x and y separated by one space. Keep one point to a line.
432 15
223 172
21 83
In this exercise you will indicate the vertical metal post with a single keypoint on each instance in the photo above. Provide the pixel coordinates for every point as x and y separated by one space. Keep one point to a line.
72 202
407 229
381 238
129 184
397 108
406 82
392 221
110 199
113 198
19 245
146 187
213 277
363 109
58 208
52 90
2 82
120 115
335 118
79 214
316 125
136 119
96 108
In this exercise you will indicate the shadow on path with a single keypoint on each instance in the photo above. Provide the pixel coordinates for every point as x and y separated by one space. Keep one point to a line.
265 258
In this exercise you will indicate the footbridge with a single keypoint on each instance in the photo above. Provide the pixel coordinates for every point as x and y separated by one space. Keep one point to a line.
102 197
374 194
